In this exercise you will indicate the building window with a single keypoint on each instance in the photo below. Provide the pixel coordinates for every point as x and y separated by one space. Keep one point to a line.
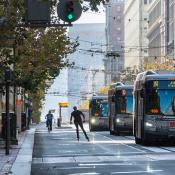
145 2
118 8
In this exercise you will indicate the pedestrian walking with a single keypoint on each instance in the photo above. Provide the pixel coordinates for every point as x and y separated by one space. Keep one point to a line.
49 118
79 118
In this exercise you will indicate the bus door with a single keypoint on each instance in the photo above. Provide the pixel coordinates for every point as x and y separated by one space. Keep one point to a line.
140 113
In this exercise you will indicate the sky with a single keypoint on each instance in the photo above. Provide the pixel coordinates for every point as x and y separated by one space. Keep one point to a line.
59 84
92 17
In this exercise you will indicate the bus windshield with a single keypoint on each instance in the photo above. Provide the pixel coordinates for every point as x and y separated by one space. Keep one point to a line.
124 102
99 108
160 100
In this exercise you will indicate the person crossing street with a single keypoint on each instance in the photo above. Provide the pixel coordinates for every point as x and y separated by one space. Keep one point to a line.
78 121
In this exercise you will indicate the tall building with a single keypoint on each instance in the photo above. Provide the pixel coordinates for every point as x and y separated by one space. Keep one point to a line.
136 26
87 76
156 30
114 60
161 30
170 28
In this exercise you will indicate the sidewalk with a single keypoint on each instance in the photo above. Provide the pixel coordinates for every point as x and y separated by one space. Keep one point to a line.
18 162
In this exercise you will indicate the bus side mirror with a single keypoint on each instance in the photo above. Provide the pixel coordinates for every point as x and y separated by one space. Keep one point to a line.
142 93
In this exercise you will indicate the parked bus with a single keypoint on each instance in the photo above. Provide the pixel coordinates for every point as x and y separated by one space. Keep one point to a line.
154 107
121 120
111 104
98 114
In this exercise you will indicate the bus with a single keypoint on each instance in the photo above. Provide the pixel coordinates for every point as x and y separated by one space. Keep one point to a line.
98 114
111 103
121 120
154 107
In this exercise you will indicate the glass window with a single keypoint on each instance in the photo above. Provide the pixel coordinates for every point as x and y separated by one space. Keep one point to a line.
99 108
124 102
104 109
160 97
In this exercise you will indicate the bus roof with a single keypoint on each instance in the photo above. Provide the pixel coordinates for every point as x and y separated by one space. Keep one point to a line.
99 97
150 75
160 77
115 84
124 87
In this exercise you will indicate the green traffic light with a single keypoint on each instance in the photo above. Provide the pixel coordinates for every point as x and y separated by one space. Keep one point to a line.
70 16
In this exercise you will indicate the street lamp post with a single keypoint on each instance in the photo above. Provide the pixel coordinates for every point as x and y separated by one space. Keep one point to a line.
7 85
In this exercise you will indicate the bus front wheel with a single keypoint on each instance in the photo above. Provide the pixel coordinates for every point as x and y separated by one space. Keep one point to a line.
138 141
111 132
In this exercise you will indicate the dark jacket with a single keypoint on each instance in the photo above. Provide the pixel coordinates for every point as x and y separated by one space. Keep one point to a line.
77 116
49 117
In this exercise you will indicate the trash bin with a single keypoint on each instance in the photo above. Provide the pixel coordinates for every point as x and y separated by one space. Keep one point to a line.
12 116
58 122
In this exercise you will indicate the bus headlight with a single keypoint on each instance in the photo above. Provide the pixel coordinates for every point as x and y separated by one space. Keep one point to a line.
93 120
149 124
118 120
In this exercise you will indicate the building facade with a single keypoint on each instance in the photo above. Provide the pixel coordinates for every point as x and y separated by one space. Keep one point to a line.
136 27
114 60
161 30
87 75
156 31
170 13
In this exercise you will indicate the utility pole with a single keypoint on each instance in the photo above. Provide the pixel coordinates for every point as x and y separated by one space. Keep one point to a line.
93 81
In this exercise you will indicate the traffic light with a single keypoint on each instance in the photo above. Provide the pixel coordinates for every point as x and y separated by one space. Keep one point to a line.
69 10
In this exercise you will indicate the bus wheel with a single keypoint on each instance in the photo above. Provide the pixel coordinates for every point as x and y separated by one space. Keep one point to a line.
145 142
111 132
138 141
117 133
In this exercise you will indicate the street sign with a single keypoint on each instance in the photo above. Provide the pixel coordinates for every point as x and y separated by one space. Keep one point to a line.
69 10
64 104
37 11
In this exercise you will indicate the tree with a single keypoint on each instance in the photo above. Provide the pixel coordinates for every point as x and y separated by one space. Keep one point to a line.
40 53
94 4
168 64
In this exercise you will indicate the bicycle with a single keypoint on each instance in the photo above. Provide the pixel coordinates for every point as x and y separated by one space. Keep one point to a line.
49 126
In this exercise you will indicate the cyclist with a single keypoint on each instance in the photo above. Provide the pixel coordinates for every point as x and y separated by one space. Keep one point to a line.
49 118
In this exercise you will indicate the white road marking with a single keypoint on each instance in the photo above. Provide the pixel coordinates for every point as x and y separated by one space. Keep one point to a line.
104 164
93 173
136 172
153 149
69 168
127 145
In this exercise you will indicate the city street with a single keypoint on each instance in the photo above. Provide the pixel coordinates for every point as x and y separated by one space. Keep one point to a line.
58 152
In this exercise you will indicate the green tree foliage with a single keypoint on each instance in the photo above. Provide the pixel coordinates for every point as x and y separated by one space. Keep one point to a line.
40 53
94 4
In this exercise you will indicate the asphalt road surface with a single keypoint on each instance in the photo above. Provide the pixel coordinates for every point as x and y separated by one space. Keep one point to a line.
59 153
